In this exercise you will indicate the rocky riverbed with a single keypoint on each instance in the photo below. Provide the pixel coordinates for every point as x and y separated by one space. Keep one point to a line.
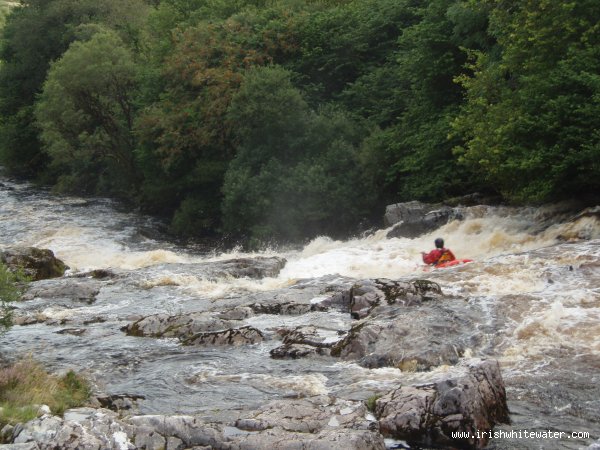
338 344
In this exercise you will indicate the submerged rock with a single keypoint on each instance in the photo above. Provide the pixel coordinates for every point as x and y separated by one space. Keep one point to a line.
35 263
468 399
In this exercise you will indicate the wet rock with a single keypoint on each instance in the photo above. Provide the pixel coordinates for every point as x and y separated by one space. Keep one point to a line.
414 337
72 331
238 336
98 274
119 402
238 313
65 289
296 351
81 429
195 329
469 398
412 219
35 263
367 294
259 267
180 326
301 342
286 309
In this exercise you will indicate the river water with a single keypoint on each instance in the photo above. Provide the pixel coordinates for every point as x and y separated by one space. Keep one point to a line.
536 283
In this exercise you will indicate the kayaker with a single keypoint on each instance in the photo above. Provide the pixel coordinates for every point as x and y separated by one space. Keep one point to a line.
439 255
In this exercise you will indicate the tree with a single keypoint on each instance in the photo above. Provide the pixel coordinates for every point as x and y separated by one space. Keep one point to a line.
186 142
532 112
410 156
36 33
86 114
295 173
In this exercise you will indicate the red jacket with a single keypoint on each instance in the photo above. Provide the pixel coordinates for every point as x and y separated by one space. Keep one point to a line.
438 256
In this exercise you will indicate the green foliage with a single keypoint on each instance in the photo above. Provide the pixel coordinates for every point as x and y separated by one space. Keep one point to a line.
371 402
295 172
86 114
532 113
283 119
26 385
9 292
185 135
26 58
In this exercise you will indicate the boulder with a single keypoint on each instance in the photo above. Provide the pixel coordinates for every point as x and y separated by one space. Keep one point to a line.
469 398
35 263
367 294
258 267
409 330
413 219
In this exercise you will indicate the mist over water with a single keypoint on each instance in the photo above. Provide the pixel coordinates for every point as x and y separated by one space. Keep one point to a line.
536 283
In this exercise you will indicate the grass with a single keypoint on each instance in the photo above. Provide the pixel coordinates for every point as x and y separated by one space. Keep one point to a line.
25 386
371 402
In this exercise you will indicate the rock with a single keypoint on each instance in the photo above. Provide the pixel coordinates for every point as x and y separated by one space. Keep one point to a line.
279 439
286 309
259 267
38 264
180 326
295 351
301 342
65 289
195 329
309 415
410 332
595 446
27 446
313 423
405 212
80 429
118 402
413 219
188 429
470 398
239 336
367 294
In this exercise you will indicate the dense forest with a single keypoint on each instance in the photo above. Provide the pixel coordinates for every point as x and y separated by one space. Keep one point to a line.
285 119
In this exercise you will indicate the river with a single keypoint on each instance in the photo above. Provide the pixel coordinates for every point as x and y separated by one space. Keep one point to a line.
536 284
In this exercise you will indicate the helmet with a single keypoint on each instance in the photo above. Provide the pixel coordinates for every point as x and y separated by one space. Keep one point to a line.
439 243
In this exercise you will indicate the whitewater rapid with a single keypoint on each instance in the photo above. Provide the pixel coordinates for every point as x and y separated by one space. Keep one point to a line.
538 283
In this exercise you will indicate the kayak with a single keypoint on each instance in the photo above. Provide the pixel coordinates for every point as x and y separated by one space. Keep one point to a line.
456 262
